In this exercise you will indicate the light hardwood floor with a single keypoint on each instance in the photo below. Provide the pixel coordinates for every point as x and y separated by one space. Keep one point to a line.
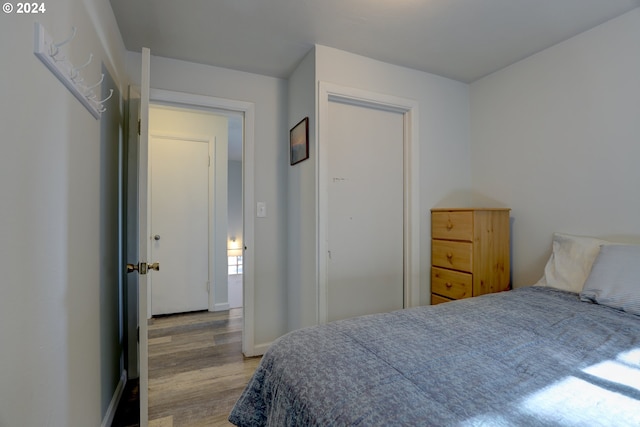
196 368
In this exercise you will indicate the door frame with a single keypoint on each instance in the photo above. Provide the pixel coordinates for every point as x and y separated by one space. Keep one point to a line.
248 110
330 92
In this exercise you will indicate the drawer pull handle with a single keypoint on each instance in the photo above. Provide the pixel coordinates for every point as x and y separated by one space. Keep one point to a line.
448 285
449 256
449 225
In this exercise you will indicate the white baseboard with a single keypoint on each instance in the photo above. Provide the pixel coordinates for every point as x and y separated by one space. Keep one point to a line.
257 350
221 307
113 406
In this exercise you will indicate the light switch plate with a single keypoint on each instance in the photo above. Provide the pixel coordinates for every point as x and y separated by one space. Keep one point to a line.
261 210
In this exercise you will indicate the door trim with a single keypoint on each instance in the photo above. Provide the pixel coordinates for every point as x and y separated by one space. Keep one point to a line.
248 204
329 92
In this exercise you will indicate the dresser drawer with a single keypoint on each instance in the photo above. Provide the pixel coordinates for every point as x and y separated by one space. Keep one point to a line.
452 225
451 284
453 255
437 299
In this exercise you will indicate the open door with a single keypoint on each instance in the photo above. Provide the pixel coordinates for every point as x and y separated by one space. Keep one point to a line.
137 220
144 237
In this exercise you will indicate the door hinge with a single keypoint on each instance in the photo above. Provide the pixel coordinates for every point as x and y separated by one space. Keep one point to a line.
139 126
138 333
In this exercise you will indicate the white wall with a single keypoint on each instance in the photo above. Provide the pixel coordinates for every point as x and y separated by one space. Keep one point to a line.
556 137
444 153
269 96
50 241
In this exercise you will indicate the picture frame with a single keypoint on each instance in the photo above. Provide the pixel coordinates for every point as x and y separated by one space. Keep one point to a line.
299 142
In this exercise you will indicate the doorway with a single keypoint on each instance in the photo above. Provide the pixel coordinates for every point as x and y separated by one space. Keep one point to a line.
402 114
199 135
245 125
188 217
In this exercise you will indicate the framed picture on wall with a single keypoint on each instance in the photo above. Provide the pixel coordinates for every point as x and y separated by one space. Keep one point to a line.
299 141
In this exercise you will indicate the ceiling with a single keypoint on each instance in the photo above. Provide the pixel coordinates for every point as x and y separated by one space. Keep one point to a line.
459 39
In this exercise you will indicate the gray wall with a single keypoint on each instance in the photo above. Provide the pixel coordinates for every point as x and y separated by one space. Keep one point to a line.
52 238
444 157
556 137
111 270
301 209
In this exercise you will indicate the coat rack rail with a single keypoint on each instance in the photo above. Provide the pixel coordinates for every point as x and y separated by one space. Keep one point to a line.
51 55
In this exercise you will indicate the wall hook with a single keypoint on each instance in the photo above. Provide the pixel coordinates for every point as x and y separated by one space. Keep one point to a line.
74 74
68 39
101 108
57 58
106 99
88 88
80 67
55 47
51 56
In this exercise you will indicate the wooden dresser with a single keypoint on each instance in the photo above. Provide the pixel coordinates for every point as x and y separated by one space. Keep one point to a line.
469 252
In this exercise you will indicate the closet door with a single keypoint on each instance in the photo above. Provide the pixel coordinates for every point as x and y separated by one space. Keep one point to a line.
365 210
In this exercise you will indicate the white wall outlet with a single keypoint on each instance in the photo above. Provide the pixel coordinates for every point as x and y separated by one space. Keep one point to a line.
261 210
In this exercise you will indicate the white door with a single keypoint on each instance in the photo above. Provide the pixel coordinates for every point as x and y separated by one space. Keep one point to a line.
365 203
136 293
179 174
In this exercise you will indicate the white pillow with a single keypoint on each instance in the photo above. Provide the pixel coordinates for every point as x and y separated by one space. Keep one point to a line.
570 262
615 278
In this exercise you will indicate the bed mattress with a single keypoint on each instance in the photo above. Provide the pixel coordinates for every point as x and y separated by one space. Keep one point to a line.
531 356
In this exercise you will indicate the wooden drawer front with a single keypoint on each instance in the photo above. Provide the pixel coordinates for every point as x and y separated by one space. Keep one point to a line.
454 255
437 299
451 284
452 225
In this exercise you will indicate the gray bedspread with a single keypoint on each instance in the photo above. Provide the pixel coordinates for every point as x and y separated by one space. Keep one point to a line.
531 356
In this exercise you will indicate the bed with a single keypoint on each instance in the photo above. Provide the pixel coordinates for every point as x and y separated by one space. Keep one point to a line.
538 355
